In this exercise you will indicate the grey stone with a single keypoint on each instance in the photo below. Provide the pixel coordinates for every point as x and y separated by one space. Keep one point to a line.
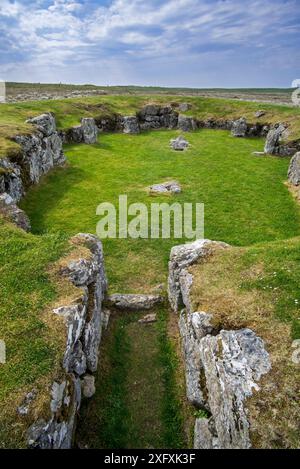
10 179
88 386
294 170
45 123
179 143
134 302
171 187
24 408
13 213
105 318
183 107
181 257
259 114
233 363
148 319
75 134
239 128
259 153
130 125
186 124
273 139
203 436
89 130
193 327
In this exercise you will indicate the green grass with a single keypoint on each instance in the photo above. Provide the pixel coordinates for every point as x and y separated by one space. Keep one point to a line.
136 404
25 292
245 199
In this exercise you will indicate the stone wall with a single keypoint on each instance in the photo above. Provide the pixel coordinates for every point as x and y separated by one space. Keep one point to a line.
222 367
82 319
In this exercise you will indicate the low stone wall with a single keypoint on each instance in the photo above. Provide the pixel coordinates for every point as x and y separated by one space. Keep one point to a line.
222 367
82 319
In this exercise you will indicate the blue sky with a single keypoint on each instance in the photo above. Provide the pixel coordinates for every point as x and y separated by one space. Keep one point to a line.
194 43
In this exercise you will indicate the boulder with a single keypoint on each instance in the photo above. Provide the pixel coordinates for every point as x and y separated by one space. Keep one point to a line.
185 123
13 213
130 125
88 386
183 107
171 187
273 139
233 363
294 170
133 302
89 130
45 123
10 179
204 434
239 128
148 319
179 143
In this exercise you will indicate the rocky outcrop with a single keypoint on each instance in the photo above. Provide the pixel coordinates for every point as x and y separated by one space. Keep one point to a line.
153 116
13 213
170 187
133 302
222 367
186 124
294 170
273 140
130 125
87 132
83 322
179 143
40 152
239 128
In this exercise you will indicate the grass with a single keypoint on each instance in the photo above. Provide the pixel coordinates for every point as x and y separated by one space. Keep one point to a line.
258 287
69 111
32 350
136 404
237 189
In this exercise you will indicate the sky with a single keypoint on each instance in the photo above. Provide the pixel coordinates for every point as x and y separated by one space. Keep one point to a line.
190 43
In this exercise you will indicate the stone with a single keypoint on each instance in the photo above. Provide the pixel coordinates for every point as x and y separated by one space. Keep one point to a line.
233 363
45 123
24 408
239 128
11 180
186 124
149 110
148 319
193 327
13 213
273 139
88 386
130 125
75 134
294 170
171 187
179 143
203 436
181 257
259 114
183 107
259 153
134 302
105 318
89 130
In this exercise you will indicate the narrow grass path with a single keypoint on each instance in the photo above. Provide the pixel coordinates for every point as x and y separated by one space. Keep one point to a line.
137 404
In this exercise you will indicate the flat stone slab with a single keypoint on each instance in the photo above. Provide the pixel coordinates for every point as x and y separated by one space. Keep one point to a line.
133 302
170 187
259 153
179 143
148 319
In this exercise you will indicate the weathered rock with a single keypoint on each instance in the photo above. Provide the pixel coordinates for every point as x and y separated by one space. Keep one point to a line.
105 318
233 363
179 143
13 213
294 170
89 130
193 327
203 435
130 125
88 386
153 116
239 128
171 187
183 107
259 114
133 302
24 408
186 124
45 123
273 139
181 257
148 319
10 179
